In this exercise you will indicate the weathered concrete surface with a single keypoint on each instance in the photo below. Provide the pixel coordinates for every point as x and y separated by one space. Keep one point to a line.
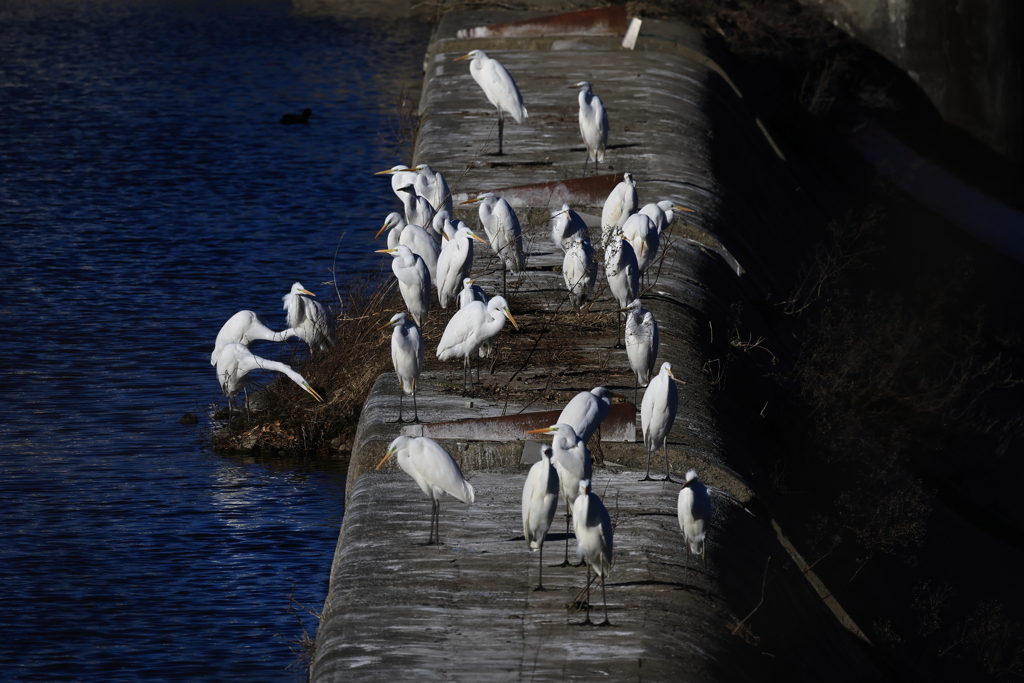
466 610
679 123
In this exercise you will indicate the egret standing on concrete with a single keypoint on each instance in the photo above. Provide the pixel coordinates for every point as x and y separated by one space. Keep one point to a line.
308 318
593 124
695 520
236 361
620 205
499 87
580 272
658 412
623 273
593 529
586 411
501 225
454 264
573 462
643 236
641 343
469 328
243 328
567 226
413 281
540 500
436 472
407 357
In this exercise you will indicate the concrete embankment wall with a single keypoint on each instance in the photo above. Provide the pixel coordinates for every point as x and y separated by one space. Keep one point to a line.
465 610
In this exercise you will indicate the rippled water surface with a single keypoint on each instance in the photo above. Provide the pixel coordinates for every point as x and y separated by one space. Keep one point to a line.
147 192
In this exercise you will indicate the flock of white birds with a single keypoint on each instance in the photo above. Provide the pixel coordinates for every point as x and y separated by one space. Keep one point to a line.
431 249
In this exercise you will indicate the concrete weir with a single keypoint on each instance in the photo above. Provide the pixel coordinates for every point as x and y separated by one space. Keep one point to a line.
466 609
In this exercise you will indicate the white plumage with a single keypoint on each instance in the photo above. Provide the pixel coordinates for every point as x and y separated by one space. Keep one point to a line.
540 500
454 264
417 239
308 318
579 272
623 273
413 281
470 327
418 210
643 236
566 227
499 87
586 411
244 328
593 124
657 413
621 203
434 471
641 342
236 361
406 357
694 519
501 225
593 529
394 222
433 187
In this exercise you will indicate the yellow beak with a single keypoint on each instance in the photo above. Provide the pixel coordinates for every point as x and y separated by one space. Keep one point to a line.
391 451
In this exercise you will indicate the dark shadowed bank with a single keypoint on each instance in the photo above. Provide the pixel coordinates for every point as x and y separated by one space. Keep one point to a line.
854 395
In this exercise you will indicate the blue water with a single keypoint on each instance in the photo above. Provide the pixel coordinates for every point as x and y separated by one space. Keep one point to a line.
147 192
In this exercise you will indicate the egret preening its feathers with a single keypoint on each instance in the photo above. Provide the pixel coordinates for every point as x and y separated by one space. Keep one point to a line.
586 411
308 318
593 529
432 186
469 328
499 87
593 124
236 361
454 264
418 210
643 236
641 343
573 462
695 520
540 500
658 412
407 357
243 328
434 470
413 281
621 203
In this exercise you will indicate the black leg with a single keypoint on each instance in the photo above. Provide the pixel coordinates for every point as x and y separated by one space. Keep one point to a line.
586 596
540 571
668 477
647 477
501 129
565 563
415 410
618 332
604 597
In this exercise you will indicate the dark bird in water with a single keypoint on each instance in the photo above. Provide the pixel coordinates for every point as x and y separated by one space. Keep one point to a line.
291 119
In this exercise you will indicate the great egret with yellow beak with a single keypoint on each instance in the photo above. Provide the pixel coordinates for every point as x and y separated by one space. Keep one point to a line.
308 318
694 507
236 361
470 327
499 87
593 124
407 358
658 412
540 500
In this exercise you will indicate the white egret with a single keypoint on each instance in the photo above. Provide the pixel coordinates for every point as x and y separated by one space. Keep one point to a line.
469 328
236 361
401 175
418 210
434 470
573 462
643 236
593 124
454 264
586 411
657 413
407 357
501 225
308 318
393 223
566 226
431 185
540 500
593 529
472 292
244 328
442 225
621 203
579 271
419 242
499 87
413 281
663 213
695 520
641 343
623 273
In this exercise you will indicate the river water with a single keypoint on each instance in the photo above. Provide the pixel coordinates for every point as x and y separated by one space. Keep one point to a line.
147 192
